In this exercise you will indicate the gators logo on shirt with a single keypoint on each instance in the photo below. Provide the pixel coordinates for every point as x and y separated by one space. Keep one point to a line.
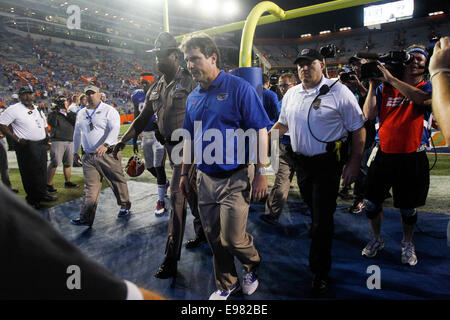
222 96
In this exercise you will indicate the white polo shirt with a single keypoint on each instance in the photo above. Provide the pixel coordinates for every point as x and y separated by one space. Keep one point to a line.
106 122
26 123
337 114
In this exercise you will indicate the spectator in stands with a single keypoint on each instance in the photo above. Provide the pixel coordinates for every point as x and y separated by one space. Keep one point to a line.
75 103
30 134
283 177
103 97
440 78
97 128
270 100
401 161
62 123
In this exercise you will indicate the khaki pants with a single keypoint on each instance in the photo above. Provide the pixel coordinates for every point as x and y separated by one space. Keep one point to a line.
95 169
223 207
278 195
177 219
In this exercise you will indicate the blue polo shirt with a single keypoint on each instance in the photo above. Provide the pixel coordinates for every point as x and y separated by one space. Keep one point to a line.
228 104
270 102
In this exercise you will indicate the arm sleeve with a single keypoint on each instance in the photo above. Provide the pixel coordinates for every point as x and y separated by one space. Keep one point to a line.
188 123
349 109
114 126
38 260
77 135
252 110
52 119
6 117
283 115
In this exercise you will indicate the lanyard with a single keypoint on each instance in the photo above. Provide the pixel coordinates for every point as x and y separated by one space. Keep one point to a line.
90 116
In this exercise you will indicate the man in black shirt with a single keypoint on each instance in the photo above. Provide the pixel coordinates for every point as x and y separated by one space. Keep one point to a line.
62 123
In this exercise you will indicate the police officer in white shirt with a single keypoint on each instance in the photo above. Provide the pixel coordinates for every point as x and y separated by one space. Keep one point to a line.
97 129
319 114
30 134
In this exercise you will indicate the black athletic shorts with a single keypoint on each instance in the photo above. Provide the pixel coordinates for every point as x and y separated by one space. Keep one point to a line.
408 175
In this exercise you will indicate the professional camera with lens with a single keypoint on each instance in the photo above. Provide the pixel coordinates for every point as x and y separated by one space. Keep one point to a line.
328 51
346 77
394 61
59 103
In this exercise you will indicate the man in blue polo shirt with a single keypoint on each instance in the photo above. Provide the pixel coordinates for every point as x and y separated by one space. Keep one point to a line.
220 107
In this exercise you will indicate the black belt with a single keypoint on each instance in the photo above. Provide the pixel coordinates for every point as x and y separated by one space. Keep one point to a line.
227 174
108 151
43 141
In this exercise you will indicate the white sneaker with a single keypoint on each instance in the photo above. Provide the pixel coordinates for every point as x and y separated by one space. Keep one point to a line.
372 248
250 283
409 254
224 294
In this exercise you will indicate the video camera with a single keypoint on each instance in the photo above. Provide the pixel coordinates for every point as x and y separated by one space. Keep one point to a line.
328 51
394 61
59 103
346 77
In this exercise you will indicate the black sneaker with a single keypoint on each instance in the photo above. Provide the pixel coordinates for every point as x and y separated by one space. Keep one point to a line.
79 222
51 190
195 243
167 270
269 218
70 185
320 286
49 198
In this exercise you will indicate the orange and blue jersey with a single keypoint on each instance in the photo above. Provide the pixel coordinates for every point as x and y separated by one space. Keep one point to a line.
401 121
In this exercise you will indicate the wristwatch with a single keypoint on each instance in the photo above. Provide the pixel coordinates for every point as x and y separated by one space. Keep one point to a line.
106 145
262 170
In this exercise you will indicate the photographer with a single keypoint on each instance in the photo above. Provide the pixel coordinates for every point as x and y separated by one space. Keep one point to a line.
351 78
62 123
401 161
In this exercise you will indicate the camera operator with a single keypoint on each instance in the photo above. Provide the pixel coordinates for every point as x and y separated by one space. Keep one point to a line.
401 161
359 88
62 123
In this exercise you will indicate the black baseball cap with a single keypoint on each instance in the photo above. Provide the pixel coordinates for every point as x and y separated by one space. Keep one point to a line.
25 89
308 54
164 41
354 58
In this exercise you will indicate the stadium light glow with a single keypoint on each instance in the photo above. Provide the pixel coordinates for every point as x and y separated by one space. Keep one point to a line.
345 29
435 13
230 8
325 32
185 3
208 6
305 35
